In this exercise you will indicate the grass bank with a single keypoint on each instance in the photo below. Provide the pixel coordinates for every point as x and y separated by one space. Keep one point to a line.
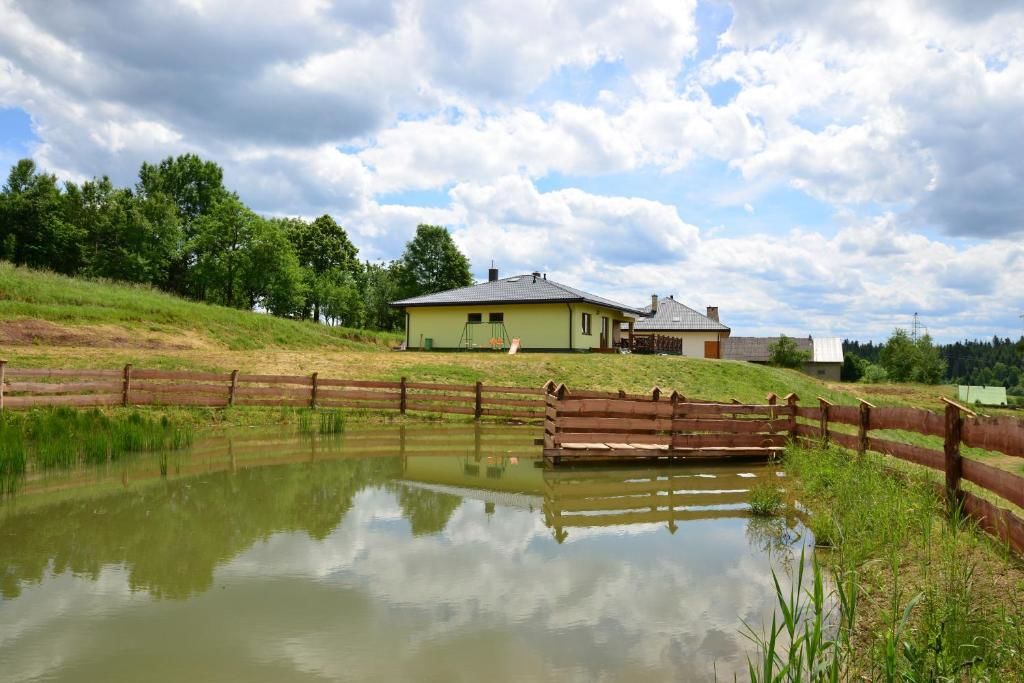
916 596
38 307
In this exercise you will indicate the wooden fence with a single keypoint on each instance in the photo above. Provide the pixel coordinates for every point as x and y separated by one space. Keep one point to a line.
579 426
956 426
35 387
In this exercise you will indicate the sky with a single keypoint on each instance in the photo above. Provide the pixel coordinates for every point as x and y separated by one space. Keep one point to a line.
827 172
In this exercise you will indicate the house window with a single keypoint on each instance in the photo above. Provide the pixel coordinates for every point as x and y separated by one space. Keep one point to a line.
475 318
496 317
586 323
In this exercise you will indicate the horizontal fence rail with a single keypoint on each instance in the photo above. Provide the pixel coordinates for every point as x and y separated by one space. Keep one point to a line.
23 388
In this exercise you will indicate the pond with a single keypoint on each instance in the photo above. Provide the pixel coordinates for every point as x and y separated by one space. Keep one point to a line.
413 553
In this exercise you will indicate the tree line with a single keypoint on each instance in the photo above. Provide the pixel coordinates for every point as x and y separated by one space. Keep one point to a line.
998 362
181 230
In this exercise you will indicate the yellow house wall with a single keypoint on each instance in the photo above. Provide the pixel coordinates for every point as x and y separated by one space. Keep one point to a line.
538 326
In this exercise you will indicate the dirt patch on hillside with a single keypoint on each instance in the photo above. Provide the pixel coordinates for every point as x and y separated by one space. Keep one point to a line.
43 333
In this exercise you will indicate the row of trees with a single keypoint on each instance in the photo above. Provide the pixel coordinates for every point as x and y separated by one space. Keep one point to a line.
181 230
999 362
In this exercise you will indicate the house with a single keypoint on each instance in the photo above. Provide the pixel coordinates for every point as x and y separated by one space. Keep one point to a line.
700 335
543 314
986 396
826 353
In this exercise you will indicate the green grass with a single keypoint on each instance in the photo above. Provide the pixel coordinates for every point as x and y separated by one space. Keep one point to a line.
39 295
765 499
58 438
917 595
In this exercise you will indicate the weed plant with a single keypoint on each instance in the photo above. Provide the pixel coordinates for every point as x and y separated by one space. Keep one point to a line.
917 594
765 499
63 437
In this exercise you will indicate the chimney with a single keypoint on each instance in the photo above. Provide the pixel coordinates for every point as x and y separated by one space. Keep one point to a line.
713 313
536 275
654 303
492 273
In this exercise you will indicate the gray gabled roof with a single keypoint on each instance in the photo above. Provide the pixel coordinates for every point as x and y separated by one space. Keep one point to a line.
519 289
672 315
755 349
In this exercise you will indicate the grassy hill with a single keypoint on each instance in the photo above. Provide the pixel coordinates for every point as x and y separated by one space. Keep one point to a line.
48 320
44 308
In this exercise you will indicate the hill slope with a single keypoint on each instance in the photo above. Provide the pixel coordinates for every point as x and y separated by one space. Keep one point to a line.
48 320
43 308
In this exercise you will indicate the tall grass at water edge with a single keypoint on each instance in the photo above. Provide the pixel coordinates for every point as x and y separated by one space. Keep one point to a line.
324 422
917 594
63 437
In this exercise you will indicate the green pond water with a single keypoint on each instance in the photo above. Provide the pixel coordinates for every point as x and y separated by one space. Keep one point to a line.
417 553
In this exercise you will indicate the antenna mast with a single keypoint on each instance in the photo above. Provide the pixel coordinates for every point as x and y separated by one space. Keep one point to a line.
915 331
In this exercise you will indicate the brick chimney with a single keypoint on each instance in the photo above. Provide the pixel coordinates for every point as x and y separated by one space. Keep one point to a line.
654 303
713 313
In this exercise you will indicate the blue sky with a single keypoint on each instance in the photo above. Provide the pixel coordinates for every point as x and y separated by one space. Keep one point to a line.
745 154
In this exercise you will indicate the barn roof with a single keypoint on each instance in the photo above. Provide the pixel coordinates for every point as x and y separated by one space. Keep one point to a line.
519 289
756 349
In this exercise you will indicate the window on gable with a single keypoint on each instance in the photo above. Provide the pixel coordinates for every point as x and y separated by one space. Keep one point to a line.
495 317
475 318
586 323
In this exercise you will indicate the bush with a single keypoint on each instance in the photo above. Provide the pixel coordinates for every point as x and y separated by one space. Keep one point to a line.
874 374
786 354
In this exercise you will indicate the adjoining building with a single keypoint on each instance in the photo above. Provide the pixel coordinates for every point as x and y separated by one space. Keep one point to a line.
986 396
543 314
826 353
699 335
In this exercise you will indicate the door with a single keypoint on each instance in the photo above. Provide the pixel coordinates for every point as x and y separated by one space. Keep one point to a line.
605 332
711 349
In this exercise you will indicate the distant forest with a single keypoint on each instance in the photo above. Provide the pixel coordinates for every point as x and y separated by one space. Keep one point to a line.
994 362
181 230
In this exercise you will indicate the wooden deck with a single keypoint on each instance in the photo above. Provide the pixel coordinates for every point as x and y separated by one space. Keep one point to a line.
580 428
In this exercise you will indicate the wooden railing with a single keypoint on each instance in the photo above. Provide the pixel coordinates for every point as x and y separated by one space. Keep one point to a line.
956 426
35 387
656 343
578 426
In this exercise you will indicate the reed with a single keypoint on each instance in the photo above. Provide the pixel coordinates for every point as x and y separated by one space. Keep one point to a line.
12 459
332 422
937 586
61 437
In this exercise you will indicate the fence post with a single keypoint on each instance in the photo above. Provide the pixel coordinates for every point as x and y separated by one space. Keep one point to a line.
622 393
312 394
127 388
478 410
234 387
953 462
402 397
656 393
863 426
824 405
791 401
3 380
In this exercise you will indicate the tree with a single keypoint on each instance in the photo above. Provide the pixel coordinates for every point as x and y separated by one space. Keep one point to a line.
929 368
329 260
33 229
195 187
271 276
220 243
898 356
853 368
432 263
784 353
380 288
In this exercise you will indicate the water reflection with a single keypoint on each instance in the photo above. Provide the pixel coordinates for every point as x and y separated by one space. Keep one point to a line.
344 560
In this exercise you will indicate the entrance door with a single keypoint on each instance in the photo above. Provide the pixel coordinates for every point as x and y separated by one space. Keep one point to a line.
711 349
605 332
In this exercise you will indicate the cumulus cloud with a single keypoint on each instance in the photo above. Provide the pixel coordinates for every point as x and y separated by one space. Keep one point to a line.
903 114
